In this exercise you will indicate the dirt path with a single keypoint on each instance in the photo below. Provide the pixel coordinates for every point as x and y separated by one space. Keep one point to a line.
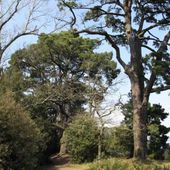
67 167
63 163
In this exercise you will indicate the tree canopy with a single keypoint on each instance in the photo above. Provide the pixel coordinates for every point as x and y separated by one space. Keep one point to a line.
156 131
53 72
133 24
52 78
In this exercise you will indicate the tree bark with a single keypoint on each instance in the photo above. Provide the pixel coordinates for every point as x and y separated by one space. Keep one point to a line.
63 145
100 142
140 134
136 75
139 126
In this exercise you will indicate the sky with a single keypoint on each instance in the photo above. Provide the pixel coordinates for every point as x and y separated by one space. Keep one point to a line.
123 88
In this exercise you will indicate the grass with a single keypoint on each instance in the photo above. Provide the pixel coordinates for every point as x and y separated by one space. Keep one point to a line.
67 166
116 164
128 164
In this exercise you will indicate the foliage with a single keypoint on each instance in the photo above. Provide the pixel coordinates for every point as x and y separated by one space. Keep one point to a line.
157 133
121 164
49 78
81 138
167 153
134 25
54 70
21 141
52 139
118 141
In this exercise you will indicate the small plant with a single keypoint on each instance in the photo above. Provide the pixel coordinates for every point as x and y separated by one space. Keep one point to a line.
118 164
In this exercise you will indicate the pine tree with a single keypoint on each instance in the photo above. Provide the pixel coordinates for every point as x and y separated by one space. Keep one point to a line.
156 132
132 23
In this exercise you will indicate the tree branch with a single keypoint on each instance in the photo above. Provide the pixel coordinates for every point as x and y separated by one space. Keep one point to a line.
11 15
158 89
111 41
117 2
31 24
160 23
149 48
162 48
110 13
33 32
142 17
71 10
128 24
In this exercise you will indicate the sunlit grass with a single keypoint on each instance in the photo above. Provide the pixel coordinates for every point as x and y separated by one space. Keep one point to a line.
129 164
117 164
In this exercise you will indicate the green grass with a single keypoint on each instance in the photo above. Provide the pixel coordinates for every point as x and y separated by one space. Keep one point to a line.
118 164
128 164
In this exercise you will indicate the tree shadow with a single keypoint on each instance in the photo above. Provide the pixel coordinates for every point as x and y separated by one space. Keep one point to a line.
60 159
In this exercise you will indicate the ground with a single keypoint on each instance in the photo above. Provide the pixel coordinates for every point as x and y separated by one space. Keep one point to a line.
63 163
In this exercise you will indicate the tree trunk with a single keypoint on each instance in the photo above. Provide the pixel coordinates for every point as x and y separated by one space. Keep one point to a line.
139 122
100 142
63 146
139 131
99 147
1 53
136 76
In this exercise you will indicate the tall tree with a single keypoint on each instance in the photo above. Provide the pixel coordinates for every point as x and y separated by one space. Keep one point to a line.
156 132
55 69
132 24
51 75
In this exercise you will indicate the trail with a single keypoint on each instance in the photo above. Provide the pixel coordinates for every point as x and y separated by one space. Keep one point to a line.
63 163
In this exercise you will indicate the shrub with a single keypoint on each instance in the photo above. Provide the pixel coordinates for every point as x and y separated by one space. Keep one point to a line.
81 138
21 140
120 164
118 142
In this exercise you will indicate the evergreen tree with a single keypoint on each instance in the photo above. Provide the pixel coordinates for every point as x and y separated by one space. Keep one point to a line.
133 24
50 77
156 132
53 73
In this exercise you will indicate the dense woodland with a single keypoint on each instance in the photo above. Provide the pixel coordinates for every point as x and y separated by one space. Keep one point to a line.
53 91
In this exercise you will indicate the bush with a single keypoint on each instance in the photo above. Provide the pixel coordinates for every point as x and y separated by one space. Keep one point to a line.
119 142
21 140
120 164
81 138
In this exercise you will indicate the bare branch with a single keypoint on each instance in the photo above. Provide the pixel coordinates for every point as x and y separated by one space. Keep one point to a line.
73 21
8 10
153 36
12 29
11 15
33 32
